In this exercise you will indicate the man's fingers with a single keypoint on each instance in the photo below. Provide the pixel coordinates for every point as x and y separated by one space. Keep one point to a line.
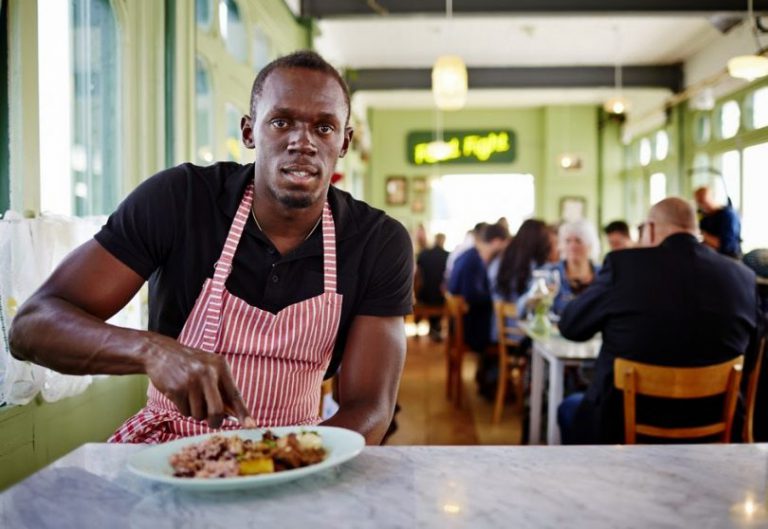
197 403
235 402
214 402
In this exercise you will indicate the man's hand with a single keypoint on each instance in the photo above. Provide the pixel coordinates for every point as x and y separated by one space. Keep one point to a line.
200 384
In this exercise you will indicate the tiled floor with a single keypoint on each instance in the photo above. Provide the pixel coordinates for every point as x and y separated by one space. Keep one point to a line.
427 417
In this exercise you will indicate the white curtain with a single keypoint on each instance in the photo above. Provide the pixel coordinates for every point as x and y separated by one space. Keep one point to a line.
30 249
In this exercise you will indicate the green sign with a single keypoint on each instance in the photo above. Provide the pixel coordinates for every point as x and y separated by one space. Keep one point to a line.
462 146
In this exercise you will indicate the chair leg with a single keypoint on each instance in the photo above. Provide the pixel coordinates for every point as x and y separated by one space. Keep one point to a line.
501 391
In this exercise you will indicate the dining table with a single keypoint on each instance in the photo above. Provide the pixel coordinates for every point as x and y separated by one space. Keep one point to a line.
658 486
557 352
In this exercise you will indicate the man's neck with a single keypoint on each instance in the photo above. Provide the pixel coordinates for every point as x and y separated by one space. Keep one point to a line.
286 227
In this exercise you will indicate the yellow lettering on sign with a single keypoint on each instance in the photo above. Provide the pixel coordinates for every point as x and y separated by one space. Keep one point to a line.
472 145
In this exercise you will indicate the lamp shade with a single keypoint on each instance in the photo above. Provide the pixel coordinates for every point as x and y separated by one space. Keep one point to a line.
616 105
449 82
749 67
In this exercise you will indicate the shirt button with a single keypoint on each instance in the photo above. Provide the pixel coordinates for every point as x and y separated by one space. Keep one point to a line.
275 279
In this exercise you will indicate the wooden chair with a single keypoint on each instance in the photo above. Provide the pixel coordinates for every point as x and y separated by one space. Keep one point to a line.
326 388
751 396
635 378
455 308
424 312
510 366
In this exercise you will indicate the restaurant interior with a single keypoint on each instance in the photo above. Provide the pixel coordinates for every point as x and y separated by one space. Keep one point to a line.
468 116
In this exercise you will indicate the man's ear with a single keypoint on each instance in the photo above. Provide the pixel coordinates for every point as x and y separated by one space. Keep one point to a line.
348 131
246 131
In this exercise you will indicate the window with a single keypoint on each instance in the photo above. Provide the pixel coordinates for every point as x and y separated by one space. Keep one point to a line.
730 186
234 145
5 155
232 30
79 116
459 201
204 126
662 145
261 52
729 119
645 151
658 187
754 213
702 129
759 106
204 14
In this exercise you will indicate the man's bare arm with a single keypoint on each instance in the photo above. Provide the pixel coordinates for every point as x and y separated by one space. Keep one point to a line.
62 326
370 376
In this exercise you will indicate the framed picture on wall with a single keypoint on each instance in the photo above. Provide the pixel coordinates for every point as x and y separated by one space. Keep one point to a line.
396 190
419 184
417 204
573 208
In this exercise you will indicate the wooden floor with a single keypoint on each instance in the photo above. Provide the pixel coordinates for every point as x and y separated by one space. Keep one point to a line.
428 418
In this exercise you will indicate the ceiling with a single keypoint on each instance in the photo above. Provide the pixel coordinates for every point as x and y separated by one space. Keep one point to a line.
574 45
376 42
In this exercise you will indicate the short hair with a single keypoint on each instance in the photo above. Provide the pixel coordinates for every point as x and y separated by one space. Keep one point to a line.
494 231
299 59
584 230
617 226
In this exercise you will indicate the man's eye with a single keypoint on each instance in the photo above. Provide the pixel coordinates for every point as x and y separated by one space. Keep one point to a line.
325 129
279 123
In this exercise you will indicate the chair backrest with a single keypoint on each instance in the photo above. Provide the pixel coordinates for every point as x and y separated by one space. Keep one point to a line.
455 307
510 334
636 378
751 398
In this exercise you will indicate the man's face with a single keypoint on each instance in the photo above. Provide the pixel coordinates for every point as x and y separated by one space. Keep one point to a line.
299 131
618 241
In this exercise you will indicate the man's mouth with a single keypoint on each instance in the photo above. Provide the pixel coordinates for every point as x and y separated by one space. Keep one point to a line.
299 172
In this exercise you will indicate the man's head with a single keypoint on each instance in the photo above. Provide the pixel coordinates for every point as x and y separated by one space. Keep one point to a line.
617 233
491 241
298 126
440 240
670 216
705 199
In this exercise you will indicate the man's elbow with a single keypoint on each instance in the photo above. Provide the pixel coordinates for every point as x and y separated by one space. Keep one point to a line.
21 330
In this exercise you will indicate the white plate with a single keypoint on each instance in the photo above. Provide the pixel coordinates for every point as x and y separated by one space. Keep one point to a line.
152 463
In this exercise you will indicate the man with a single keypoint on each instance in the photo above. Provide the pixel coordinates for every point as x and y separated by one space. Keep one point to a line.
297 278
468 242
617 233
469 279
675 303
720 225
430 266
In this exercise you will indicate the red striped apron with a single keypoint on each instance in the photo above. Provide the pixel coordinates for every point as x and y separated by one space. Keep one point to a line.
277 360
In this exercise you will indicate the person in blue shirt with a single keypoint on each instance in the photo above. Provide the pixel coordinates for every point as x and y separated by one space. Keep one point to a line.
720 225
469 279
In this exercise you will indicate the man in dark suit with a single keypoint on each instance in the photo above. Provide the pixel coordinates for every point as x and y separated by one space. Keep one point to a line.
675 303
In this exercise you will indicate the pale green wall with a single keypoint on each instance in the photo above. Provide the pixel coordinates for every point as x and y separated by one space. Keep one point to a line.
542 134
33 435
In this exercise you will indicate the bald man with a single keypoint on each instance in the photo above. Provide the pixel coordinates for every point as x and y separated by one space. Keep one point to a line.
720 225
674 302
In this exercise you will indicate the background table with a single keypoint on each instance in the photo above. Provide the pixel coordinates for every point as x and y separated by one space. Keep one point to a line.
704 486
558 353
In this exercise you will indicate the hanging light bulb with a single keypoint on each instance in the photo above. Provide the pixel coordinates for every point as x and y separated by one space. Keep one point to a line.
749 67
449 82
617 104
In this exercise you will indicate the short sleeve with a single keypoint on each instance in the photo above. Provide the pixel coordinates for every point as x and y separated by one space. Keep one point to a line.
141 232
390 289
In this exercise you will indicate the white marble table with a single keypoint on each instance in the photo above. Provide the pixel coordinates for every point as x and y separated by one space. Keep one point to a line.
683 486
558 353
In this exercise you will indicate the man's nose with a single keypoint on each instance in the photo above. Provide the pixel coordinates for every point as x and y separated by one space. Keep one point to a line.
301 140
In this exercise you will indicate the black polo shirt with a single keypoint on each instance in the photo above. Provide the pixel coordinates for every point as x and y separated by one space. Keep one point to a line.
171 229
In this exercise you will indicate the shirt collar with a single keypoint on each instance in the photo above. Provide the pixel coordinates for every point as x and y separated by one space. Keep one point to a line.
344 216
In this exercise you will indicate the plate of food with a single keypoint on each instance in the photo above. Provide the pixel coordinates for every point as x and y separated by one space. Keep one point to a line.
238 459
